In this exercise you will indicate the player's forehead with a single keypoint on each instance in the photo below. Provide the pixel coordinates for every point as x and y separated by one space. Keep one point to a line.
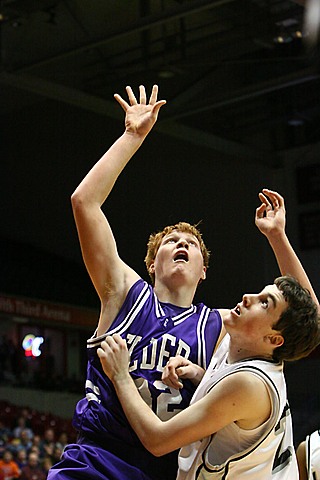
177 234
272 289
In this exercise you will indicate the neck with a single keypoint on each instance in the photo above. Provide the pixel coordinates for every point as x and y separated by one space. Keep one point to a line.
181 297
238 353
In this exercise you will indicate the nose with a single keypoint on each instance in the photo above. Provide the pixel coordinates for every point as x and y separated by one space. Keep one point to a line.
247 299
183 243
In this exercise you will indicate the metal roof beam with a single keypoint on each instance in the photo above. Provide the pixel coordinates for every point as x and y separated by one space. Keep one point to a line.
147 22
110 109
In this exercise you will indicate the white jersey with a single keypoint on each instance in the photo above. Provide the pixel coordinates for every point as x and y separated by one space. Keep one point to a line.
313 455
265 453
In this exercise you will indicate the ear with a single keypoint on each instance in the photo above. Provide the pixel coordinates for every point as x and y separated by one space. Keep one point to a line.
204 273
151 268
276 340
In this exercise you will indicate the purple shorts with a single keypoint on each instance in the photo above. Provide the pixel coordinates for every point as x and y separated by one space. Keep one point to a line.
87 460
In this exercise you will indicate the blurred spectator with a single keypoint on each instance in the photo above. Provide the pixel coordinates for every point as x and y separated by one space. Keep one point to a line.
33 470
36 449
26 414
48 443
47 464
8 467
5 435
5 432
22 425
21 457
22 442
62 440
57 452
36 444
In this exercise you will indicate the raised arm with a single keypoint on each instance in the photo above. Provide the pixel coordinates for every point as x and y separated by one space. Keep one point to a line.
111 277
271 221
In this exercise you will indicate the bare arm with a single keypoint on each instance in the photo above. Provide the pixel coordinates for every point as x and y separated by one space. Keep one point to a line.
271 220
240 398
302 461
110 276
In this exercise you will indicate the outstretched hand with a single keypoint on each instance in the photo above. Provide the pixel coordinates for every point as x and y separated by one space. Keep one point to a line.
140 116
271 214
114 357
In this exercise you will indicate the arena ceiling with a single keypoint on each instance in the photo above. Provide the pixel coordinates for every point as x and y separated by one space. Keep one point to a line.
238 75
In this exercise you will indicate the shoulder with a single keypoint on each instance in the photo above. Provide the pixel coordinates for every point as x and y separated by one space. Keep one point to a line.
208 314
246 382
224 312
240 385
118 310
247 394
139 286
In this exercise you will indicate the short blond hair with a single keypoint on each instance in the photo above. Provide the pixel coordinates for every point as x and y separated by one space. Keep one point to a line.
155 240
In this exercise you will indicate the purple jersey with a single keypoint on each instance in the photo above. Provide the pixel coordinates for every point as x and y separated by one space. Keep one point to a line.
154 332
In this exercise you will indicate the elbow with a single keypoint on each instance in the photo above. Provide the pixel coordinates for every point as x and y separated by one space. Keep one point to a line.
75 199
156 450
78 201
83 199
155 446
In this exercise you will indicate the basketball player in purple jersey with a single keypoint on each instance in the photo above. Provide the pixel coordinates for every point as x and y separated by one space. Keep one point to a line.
157 322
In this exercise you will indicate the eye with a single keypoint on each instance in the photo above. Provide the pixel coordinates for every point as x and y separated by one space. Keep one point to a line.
265 302
192 242
169 240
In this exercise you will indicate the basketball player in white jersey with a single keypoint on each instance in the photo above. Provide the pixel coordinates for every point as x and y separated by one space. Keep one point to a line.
308 456
238 425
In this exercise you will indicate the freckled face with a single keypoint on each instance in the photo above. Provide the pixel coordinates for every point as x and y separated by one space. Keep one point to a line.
179 254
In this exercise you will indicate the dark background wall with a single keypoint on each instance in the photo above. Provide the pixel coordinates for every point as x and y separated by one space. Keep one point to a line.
48 150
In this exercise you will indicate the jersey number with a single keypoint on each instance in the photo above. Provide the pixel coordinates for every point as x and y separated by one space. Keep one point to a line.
168 401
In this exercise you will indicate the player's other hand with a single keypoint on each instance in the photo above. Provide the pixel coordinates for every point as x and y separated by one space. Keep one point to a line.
179 368
114 357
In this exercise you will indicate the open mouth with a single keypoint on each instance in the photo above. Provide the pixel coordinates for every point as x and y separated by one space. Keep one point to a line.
181 256
237 310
